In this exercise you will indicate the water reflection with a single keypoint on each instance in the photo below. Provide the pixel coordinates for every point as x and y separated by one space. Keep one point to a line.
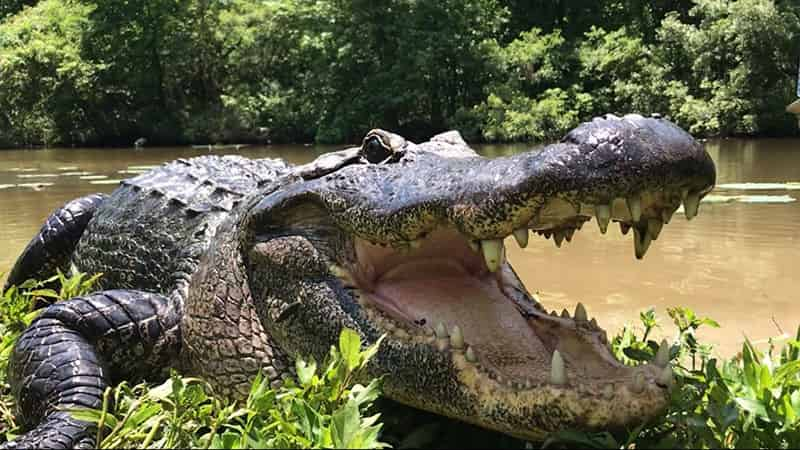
734 262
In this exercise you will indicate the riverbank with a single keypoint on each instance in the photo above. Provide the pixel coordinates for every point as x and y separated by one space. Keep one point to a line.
85 72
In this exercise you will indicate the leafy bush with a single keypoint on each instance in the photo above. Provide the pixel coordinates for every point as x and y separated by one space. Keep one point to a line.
751 400
17 311
45 83
323 409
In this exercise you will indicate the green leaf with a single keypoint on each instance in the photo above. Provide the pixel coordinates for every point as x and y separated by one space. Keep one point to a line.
787 371
310 420
305 371
710 322
345 425
46 293
364 395
753 407
637 354
370 351
226 440
350 348
92 416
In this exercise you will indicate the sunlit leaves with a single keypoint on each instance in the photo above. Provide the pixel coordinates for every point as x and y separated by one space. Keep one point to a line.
749 401
323 410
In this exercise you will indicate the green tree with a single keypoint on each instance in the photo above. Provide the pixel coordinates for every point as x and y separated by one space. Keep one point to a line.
46 87
9 7
400 64
741 58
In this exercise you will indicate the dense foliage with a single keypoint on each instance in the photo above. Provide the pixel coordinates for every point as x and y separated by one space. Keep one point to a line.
108 72
749 401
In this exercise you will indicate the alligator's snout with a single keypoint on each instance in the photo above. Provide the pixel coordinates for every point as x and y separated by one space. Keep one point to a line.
414 248
634 171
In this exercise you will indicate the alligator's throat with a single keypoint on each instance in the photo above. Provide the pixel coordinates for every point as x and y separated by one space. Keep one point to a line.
442 292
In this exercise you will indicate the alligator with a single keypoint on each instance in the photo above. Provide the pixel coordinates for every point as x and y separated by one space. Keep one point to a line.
225 267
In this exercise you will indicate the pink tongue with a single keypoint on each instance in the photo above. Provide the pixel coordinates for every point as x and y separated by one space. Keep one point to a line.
438 290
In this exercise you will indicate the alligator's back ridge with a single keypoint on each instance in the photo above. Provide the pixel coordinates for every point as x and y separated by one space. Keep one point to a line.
152 230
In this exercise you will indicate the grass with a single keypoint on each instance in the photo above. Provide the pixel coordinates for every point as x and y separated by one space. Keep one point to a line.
751 400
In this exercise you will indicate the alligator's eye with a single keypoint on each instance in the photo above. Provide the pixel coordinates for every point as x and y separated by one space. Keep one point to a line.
380 147
375 150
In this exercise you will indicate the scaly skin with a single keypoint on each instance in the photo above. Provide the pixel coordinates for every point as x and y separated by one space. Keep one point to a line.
259 263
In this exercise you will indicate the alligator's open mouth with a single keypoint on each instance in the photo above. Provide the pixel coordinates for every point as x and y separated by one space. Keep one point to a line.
443 289
460 295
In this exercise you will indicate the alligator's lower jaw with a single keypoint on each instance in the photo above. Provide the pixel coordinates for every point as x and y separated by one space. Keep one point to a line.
442 294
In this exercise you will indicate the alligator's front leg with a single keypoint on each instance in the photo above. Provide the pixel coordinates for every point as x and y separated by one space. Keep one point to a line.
75 349
52 247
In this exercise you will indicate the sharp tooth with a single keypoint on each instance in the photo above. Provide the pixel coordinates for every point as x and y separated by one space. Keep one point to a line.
666 377
442 344
441 331
641 242
492 253
456 338
521 235
558 237
603 213
338 271
635 206
624 227
691 204
666 215
558 373
608 392
594 322
662 356
569 233
470 355
637 387
474 245
401 333
565 314
654 228
580 312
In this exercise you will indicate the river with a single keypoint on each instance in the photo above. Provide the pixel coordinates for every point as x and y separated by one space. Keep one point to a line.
735 262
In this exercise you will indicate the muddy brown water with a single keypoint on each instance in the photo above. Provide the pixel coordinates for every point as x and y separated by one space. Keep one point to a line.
737 262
